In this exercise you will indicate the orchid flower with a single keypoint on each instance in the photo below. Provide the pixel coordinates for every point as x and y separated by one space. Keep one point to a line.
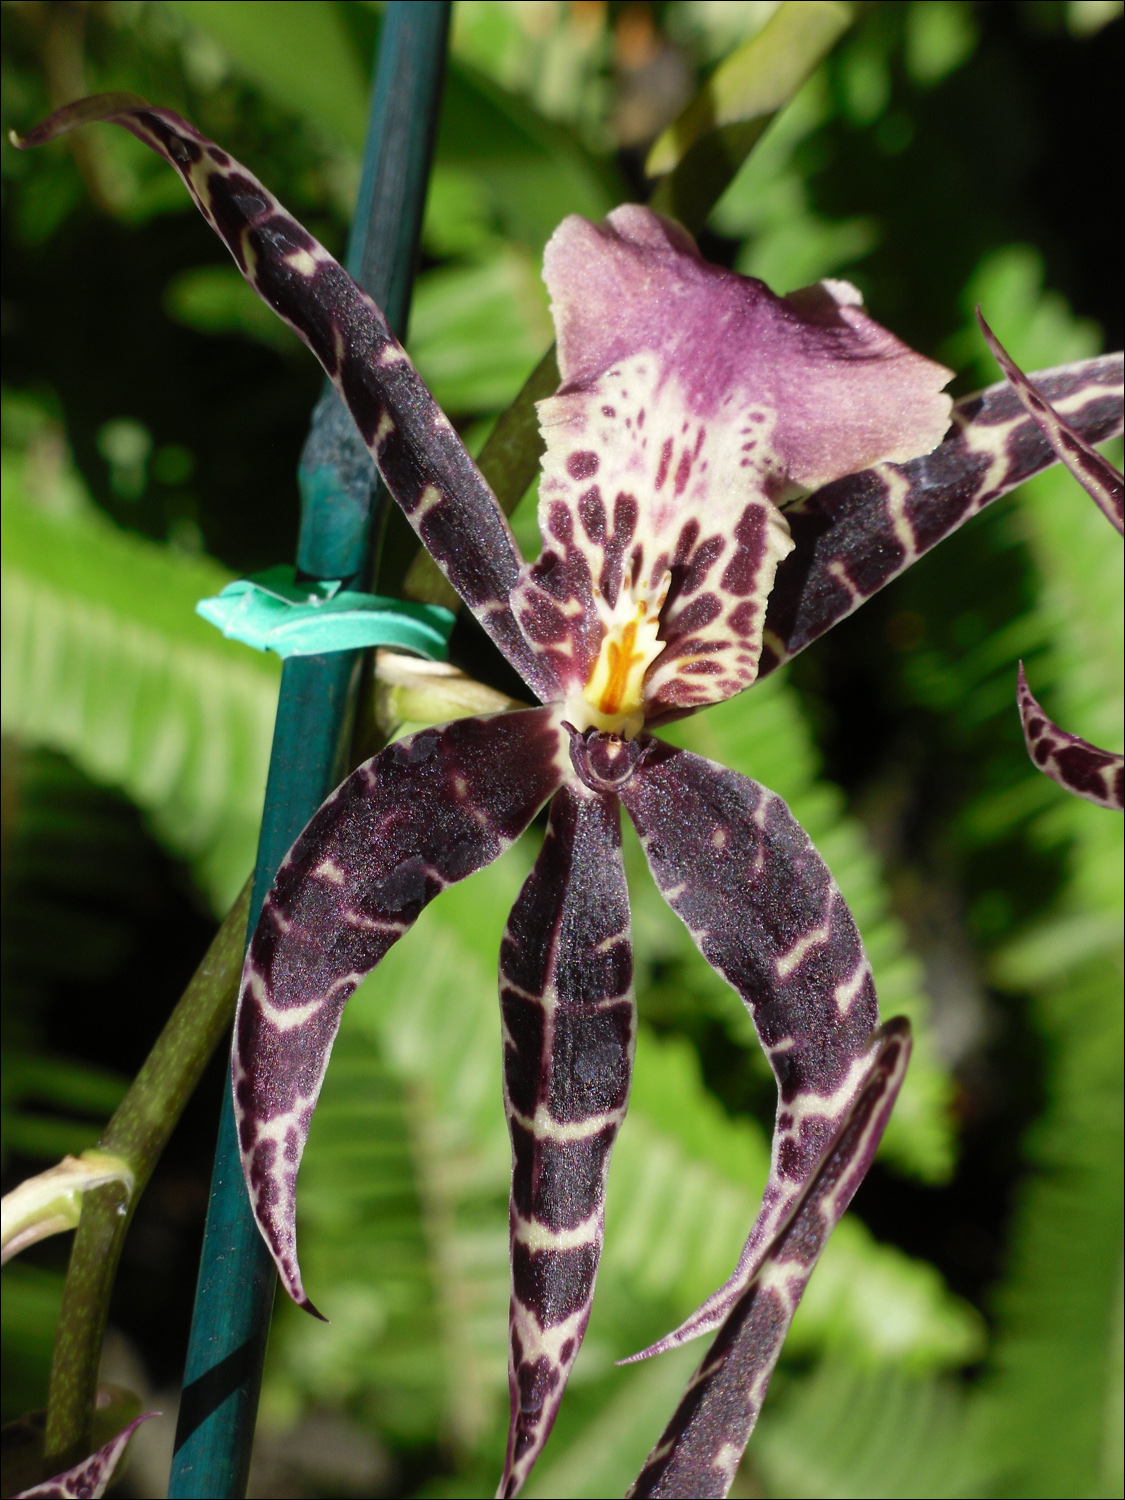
1078 766
727 474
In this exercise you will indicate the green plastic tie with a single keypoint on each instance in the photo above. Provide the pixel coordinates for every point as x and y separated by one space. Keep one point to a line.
271 611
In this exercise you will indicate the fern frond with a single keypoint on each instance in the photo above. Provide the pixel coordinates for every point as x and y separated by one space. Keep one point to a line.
764 735
849 1432
105 659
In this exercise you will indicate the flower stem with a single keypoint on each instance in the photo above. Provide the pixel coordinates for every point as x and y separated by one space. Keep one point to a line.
138 1133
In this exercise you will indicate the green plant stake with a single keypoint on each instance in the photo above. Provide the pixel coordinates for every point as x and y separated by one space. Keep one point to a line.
339 521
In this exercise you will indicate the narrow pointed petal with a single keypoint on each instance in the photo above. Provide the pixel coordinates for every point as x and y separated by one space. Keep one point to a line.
693 400
1077 766
852 537
762 907
700 1448
1101 481
424 813
422 460
88 1480
566 997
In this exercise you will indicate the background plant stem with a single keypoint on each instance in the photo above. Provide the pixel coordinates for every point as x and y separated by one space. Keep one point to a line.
138 1132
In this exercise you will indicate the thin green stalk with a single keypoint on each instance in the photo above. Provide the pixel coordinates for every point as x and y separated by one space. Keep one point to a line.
138 1132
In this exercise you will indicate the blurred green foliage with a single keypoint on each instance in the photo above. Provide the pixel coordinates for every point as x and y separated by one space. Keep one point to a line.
963 1334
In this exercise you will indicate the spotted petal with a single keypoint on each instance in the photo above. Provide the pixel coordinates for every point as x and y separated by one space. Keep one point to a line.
426 812
566 995
89 1479
762 907
1097 476
700 1448
855 535
693 400
422 460
1078 766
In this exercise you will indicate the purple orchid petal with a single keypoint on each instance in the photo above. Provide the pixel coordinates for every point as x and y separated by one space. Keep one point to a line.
854 536
1077 766
422 460
700 1448
424 813
88 1479
761 905
1101 481
566 995
692 401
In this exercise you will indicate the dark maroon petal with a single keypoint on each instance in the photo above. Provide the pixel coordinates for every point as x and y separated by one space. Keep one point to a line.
760 903
854 536
1101 481
566 997
426 812
700 1448
88 1479
422 460
1078 766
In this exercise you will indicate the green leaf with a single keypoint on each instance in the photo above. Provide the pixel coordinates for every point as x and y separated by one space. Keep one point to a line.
703 148
534 172
216 300
787 242
105 660
939 39
848 1432
39 1080
300 52
305 57
1046 1415
458 217
1049 1412
755 80
476 330
29 1310
1038 325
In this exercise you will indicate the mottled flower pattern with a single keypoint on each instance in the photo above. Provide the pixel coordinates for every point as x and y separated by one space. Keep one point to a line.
727 474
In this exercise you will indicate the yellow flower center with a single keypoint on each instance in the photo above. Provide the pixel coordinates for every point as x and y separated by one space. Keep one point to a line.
613 698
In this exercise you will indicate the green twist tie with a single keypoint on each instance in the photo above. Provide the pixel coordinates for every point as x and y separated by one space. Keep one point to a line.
273 612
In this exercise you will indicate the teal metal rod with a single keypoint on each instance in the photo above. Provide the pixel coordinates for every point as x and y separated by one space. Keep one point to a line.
341 507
